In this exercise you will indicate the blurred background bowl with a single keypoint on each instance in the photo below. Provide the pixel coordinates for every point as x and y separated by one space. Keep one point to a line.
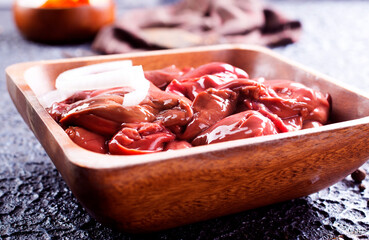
64 24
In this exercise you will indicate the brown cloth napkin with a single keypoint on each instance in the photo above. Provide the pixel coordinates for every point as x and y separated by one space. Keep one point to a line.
197 22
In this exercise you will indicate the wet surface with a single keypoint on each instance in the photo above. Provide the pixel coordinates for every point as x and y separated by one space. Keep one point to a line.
35 202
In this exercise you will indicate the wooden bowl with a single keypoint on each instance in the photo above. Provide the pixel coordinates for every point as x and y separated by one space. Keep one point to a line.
164 190
62 25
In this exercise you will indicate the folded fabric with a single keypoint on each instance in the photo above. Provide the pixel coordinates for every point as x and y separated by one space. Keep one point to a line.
197 22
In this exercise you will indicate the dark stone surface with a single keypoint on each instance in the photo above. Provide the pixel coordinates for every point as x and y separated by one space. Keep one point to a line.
35 203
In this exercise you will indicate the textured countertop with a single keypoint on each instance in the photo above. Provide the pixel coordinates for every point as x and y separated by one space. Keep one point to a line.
35 202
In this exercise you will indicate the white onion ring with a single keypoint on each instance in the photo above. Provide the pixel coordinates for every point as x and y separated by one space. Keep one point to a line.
103 76
51 97
141 88
84 78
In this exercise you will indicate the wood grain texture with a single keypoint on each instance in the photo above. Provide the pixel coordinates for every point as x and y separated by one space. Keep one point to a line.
163 190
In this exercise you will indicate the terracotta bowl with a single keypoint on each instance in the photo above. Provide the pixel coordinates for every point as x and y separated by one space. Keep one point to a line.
62 25
164 190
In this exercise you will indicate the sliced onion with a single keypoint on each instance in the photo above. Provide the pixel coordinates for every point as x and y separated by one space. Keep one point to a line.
135 97
104 76
51 97
89 77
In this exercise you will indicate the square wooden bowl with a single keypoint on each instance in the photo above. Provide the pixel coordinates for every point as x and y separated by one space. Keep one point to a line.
164 190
